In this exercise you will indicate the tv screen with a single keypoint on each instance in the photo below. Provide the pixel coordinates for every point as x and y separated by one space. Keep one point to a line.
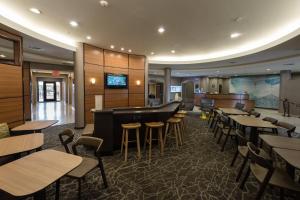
116 81
175 88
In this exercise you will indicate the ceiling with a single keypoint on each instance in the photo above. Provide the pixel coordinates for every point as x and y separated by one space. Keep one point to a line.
199 31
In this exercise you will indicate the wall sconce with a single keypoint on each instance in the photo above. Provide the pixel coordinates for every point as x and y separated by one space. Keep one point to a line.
138 82
93 81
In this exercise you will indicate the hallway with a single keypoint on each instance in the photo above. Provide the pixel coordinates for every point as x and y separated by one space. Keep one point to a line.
61 111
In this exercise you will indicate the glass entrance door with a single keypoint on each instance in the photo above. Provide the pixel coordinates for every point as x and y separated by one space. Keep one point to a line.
49 91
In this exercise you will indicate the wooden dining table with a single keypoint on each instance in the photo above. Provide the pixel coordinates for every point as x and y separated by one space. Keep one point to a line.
281 142
34 126
22 143
232 111
253 123
30 175
291 157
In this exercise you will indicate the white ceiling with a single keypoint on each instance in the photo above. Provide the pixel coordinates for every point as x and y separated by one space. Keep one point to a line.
199 31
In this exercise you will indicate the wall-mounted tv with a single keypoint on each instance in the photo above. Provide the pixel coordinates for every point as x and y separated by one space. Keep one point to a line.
116 81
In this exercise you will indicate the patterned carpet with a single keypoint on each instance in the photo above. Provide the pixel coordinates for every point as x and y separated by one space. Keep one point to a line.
197 170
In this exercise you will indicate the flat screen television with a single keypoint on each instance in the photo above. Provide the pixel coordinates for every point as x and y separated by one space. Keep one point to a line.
116 81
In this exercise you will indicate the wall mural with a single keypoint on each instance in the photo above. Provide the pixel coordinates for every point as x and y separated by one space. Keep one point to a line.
263 89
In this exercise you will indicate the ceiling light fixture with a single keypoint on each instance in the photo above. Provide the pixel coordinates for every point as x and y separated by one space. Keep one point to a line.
73 23
35 10
235 35
122 49
268 69
218 71
173 51
2 55
161 30
112 46
129 50
152 53
103 3
88 37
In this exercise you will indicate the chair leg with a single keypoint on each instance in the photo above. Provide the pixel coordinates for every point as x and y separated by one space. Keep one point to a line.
122 144
225 141
219 139
245 178
137 132
126 144
216 132
177 126
166 133
176 134
150 143
146 138
234 158
241 169
161 141
103 173
79 189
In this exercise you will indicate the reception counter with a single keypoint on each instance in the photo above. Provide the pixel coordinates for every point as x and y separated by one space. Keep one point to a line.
226 100
107 123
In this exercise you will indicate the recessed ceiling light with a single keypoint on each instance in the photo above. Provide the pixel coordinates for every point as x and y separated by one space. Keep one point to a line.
112 46
129 50
161 30
122 49
173 51
103 3
2 55
218 71
88 37
152 53
35 10
268 69
235 35
73 23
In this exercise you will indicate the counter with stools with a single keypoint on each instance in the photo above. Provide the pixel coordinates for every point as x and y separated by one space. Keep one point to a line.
126 129
148 136
173 127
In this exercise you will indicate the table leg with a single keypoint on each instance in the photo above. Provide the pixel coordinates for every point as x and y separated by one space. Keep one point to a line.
290 170
254 136
57 184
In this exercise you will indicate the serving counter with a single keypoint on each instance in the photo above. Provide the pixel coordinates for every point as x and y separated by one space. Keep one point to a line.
225 100
107 123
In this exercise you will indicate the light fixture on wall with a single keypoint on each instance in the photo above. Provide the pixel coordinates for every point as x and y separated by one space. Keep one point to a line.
138 82
93 81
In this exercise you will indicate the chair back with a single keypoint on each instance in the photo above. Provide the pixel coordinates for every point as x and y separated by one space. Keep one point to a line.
289 127
270 119
254 113
258 159
66 137
239 106
87 141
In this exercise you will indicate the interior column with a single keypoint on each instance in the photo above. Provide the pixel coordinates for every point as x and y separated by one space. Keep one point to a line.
79 87
167 85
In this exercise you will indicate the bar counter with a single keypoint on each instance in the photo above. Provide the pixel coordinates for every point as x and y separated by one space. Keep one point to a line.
107 123
226 100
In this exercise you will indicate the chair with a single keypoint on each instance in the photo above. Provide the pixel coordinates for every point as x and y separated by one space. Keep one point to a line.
254 113
88 164
242 150
289 128
182 124
125 141
270 119
66 137
148 136
225 130
266 130
263 170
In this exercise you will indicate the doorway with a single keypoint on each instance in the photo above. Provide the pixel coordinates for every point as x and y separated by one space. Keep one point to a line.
49 91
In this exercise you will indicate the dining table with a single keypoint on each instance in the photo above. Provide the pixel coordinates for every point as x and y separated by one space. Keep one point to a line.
232 111
281 142
35 126
30 175
253 123
21 143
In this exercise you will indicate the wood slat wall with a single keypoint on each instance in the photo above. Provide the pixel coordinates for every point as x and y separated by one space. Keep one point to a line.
99 61
26 90
11 85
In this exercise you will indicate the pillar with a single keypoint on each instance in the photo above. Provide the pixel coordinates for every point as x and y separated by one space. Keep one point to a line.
79 87
167 85
146 81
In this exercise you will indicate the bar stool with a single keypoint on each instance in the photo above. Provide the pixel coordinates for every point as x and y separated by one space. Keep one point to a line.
148 137
126 128
173 125
182 112
182 124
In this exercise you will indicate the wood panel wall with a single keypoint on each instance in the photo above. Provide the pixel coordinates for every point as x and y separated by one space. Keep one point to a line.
11 85
98 61
26 91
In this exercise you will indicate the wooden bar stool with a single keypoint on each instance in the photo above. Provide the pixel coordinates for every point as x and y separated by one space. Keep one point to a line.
182 124
148 137
182 112
126 128
173 126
